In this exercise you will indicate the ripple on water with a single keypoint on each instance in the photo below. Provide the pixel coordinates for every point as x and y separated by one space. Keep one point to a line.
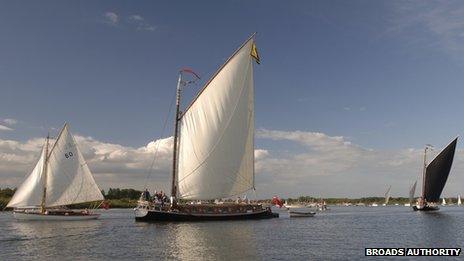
340 233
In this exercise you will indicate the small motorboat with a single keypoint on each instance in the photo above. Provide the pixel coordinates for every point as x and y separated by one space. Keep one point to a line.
301 213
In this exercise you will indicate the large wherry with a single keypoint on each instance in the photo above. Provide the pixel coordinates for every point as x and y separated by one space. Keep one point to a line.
60 178
434 177
213 151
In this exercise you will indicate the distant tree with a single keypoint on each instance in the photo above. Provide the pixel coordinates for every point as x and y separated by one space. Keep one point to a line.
117 193
7 193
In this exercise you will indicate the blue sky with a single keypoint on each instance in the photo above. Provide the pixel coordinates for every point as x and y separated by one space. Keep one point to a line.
382 75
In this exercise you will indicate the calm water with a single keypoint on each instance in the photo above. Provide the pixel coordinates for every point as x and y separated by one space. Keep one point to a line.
340 233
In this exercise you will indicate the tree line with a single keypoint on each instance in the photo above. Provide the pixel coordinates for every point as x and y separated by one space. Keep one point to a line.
118 197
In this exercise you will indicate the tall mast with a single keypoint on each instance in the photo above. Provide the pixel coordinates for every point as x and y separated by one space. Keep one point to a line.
44 171
176 133
424 171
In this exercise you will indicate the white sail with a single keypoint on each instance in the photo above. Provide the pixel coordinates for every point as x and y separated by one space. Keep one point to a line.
459 200
412 191
387 195
69 180
443 202
30 192
216 136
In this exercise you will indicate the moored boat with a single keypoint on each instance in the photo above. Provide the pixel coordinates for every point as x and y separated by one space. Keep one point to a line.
60 178
301 213
213 150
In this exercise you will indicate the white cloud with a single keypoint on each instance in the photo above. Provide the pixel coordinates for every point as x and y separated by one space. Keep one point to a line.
136 18
140 23
434 24
325 165
111 18
10 121
319 165
5 128
134 21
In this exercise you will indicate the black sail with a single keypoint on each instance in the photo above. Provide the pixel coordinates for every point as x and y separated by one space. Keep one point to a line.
437 172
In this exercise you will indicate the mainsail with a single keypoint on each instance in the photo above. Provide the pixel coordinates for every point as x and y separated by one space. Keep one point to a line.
387 195
437 172
68 178
459 200
216 150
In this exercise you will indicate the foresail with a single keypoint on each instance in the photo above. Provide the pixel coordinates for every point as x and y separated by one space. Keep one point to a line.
30 191
69 180
437 172
216 153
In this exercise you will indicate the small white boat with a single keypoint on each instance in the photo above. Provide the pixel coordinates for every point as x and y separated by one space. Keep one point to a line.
374 205
301 213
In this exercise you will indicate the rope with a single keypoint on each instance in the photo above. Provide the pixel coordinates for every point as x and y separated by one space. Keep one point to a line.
150 171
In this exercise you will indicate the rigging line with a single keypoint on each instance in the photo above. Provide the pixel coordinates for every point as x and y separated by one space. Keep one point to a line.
157 145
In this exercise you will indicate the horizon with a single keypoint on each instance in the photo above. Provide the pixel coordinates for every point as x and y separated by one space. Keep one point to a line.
346 95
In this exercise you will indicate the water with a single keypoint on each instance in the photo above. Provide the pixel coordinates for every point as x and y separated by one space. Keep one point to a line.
340 233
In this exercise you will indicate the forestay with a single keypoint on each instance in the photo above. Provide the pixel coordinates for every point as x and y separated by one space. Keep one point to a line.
69 180
216 150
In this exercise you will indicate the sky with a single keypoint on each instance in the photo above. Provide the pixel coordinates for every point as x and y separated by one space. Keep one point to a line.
346 96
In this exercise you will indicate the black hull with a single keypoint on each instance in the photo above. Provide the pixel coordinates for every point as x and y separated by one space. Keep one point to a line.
163 216
425 208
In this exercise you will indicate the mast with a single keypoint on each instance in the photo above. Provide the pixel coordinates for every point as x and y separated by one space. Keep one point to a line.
424 171
44 171
176 133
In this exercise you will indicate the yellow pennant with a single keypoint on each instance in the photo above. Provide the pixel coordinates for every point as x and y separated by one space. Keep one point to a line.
254 53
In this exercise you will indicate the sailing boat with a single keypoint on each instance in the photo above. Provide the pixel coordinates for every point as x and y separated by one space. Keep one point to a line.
387 196
434 177
412 191
214 148
443 202
60 178
459 200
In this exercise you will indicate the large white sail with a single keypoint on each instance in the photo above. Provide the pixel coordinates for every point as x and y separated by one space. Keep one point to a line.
69 180
30 192
216 136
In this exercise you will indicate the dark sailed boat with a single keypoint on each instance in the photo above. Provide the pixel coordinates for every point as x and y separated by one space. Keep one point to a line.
213 152
434 178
